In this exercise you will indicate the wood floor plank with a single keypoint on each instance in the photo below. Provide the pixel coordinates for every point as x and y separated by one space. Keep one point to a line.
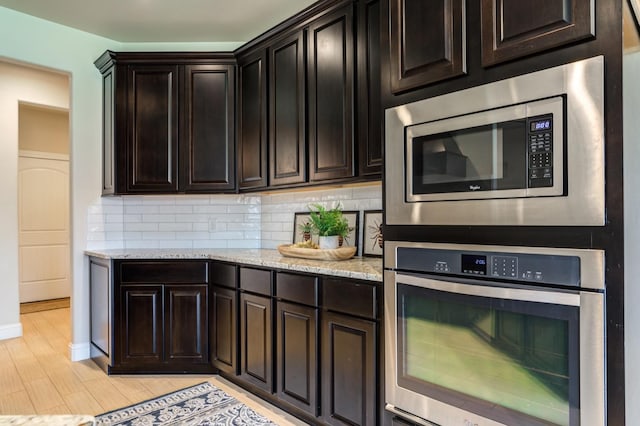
43 395
132 388
107 395
87 370
83 403
29 369
10 380
17 403
65 381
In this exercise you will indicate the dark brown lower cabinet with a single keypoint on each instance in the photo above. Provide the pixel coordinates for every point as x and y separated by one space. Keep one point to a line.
186 323
349 365
163 327
161 317
224 333
140 332
256 344
297 355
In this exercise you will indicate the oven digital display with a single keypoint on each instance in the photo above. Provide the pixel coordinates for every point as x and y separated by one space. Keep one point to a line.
474 264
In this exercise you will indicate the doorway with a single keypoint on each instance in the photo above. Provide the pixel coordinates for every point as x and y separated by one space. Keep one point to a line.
43 207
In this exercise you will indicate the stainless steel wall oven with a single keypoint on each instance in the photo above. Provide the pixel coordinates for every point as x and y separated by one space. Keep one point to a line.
494 335
528 150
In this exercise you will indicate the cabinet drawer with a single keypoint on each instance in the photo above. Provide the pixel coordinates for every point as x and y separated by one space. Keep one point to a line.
255 280
224 275
162 272
297 288
350 297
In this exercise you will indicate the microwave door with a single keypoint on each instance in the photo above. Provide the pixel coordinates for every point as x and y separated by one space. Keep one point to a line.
481 155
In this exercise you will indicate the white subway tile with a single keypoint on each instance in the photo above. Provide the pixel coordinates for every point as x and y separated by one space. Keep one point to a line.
141 244
187 244
249 244
113 218
175 226
158 200
141 226
210 209
132 235
150 235
210 244
141 209
159 218
114 227
132 218
228 235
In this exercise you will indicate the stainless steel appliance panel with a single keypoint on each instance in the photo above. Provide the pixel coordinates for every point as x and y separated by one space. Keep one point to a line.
581 83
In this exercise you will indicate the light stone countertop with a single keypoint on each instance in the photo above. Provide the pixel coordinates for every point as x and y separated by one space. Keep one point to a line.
362 268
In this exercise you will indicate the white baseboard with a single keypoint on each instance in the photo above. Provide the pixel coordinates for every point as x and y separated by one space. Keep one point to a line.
79 351
10 331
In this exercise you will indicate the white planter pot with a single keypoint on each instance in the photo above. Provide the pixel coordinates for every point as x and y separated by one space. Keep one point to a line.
328 243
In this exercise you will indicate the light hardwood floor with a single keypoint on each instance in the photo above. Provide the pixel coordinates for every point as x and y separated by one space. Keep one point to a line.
37 377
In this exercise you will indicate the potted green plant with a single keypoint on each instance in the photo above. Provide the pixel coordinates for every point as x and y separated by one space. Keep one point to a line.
329 224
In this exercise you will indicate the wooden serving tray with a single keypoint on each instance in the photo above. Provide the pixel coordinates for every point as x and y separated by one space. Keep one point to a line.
341 253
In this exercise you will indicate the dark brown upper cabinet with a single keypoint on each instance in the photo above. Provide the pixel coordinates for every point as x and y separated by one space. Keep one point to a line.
369 105
287 106
151 144
516 28
207 145
427 42
330 63
252 120
168 122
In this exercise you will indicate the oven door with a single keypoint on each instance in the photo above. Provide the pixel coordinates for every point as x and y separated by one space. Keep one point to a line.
467 353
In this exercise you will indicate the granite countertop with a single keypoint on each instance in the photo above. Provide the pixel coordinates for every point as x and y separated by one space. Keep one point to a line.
363 268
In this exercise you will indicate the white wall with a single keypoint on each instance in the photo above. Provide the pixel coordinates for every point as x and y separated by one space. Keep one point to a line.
631 101
18 83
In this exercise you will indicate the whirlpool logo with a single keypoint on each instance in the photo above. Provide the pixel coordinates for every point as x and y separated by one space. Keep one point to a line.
474 187
470 423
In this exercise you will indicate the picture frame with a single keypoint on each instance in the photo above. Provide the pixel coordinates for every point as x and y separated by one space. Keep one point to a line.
300 218
372 241
352 216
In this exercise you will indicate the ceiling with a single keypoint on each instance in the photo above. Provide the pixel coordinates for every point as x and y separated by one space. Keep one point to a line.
130 21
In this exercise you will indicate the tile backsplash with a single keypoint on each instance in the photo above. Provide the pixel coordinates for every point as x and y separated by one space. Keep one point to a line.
213 221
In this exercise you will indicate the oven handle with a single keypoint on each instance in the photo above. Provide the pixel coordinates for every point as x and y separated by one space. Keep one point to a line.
491 289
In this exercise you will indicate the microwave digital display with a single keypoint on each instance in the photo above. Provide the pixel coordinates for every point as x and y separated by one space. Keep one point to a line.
539 125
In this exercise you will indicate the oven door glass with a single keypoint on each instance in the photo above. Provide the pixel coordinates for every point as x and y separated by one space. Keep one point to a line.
512 361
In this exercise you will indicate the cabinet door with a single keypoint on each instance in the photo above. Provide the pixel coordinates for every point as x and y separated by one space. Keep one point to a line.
187 322
331 96
207 148
349 380
224 330
108 131
427 42
252 120
297 357
369 103
256 345
140 333
152 129
287 143
516 28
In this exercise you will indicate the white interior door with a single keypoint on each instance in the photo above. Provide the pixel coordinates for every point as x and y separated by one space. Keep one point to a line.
43 209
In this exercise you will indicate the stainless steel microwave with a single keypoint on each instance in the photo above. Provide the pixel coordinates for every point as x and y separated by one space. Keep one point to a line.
528 150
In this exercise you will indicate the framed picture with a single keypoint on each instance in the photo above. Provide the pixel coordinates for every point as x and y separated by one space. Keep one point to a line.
372 233
300 233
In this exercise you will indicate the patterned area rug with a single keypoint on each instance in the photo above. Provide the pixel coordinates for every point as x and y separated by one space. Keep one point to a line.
202 404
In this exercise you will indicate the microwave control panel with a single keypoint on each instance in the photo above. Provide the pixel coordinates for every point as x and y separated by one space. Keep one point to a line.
520 267
540 149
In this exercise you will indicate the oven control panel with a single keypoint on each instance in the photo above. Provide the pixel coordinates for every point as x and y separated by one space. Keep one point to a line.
522 267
